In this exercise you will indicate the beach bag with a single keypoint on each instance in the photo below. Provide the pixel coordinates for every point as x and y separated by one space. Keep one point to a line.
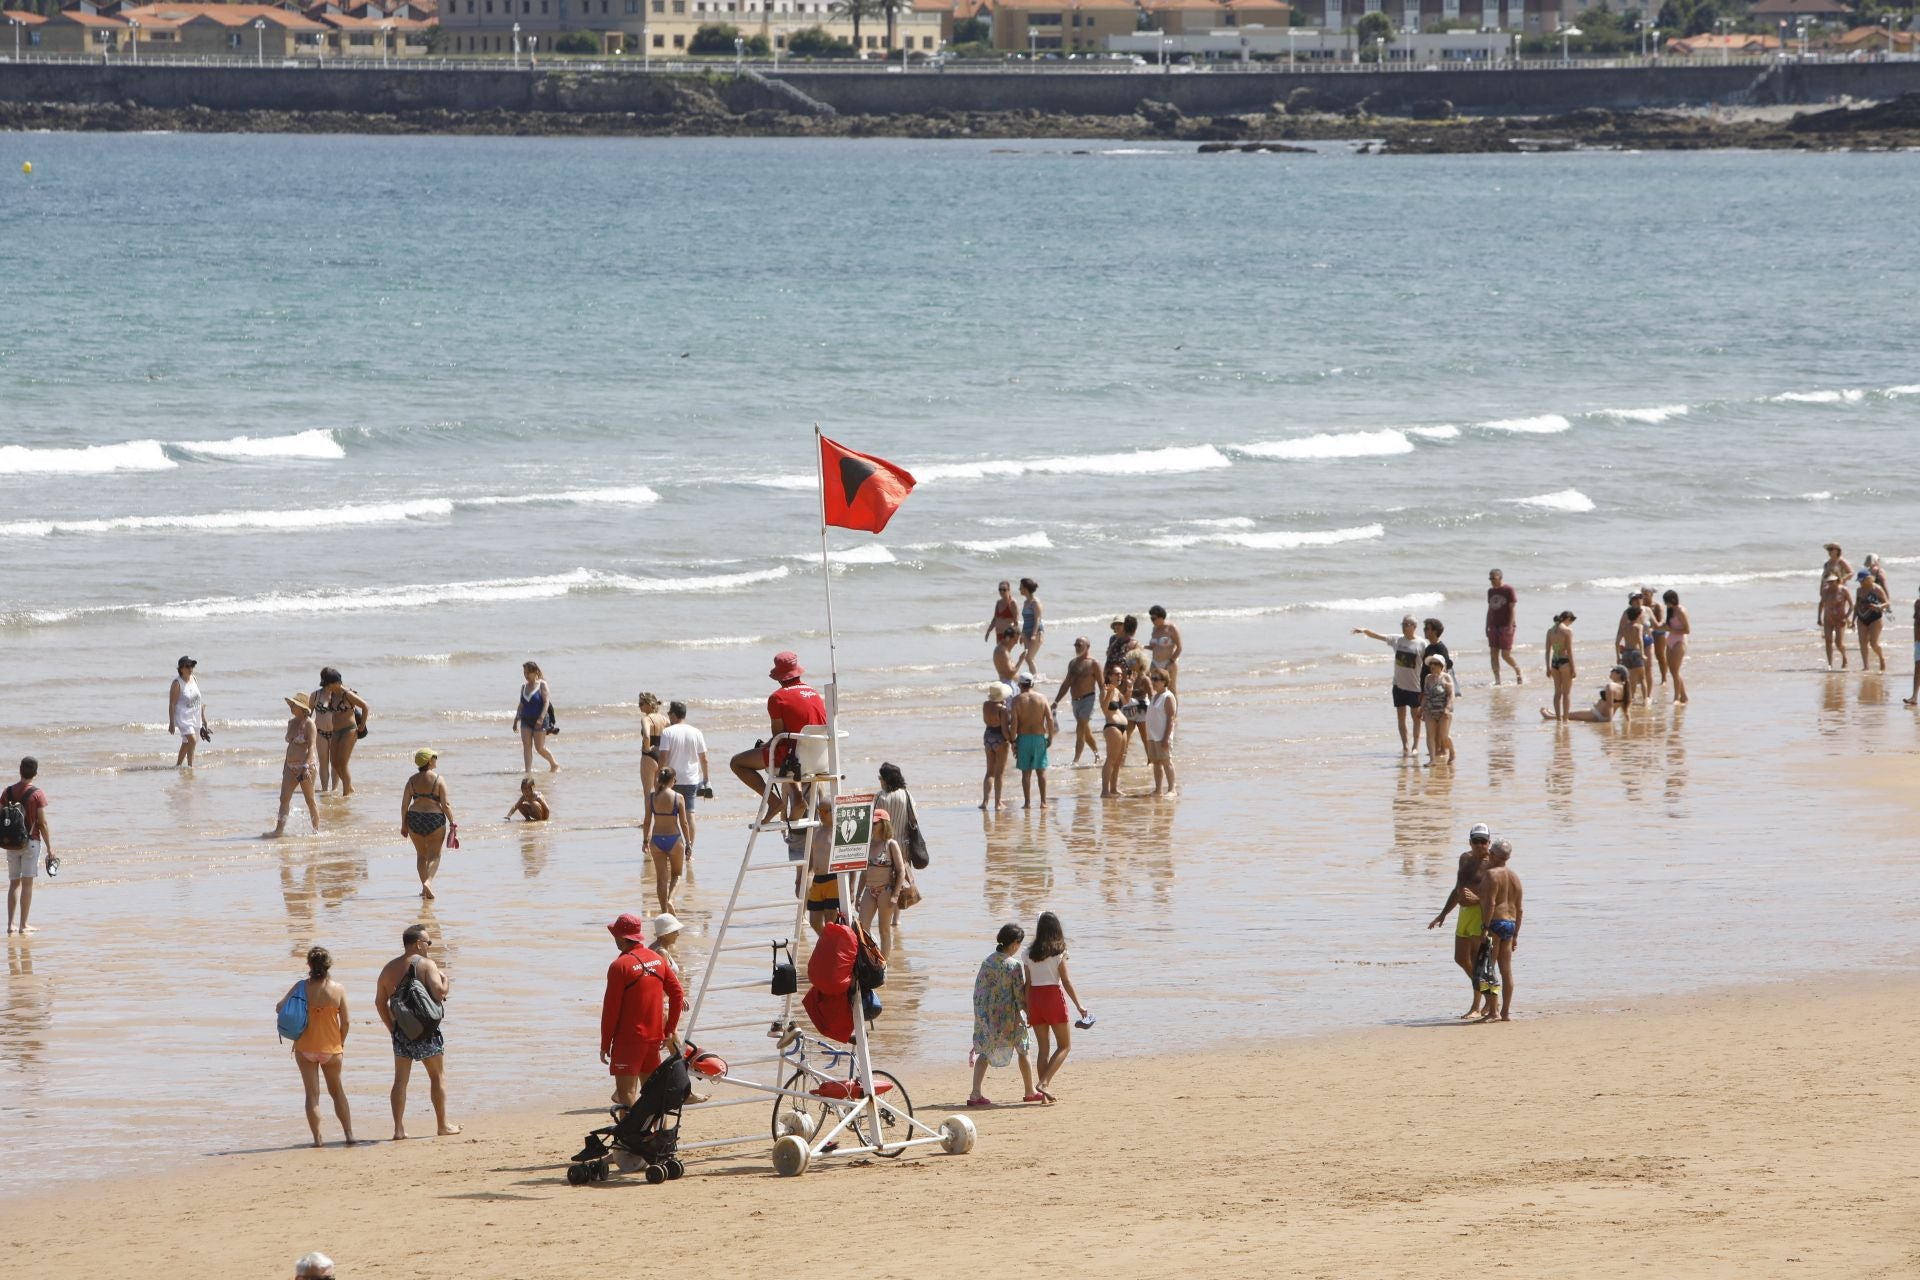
830 967
831 1016
13 817
1486 970
869 965
553 721
907 895
786 979
916 843
416 1014
293 1014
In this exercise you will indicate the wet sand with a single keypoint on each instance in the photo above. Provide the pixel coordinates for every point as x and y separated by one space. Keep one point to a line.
1759 1131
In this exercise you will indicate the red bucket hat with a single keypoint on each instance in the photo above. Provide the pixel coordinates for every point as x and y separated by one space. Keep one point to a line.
628 928
786 666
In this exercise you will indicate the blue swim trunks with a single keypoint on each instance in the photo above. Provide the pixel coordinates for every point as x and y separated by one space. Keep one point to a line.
1031 752
1504 929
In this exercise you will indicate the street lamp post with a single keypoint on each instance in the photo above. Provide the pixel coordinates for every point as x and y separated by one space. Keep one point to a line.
133 38
1566 44
259 42
533 51
1723 25
1291 59
1379 50
1801 29
15 24
1888 23
1166 55
386 42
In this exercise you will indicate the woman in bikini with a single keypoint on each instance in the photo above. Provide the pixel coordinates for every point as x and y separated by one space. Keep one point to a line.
298 770
663 833
1005 612
887 873
1618 693
999 731
340 715
1113 702
1560 666
530 718
1655 640
1836 617
1679 627
426 816
1869 613
652 724
1165 645
322 1047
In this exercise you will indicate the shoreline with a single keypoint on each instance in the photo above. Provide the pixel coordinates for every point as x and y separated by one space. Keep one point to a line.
1891 125
1742 1128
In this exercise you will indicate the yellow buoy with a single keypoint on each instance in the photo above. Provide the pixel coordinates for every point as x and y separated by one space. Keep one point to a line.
27 167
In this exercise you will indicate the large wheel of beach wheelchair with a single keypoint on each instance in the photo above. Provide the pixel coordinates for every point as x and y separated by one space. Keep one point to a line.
956 1135
790 1156
822 1114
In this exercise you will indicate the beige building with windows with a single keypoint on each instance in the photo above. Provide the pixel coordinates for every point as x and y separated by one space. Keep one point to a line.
665 28
1198 17
227 29
1061 26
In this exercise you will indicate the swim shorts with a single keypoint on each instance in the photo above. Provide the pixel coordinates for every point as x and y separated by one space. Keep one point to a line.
24 864
1469 925
1504 928
431 1045
1501 637
824 893
1632 659
1083 707
1032 749
1406 697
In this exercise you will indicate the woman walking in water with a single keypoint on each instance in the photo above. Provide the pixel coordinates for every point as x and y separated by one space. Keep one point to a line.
536 705
1005 612
1869 613
322 1047
1033 627
994 714
1114 695
186 711
298 769
664 833
1560 666
1836 616
426 816
340 715
1164 644
652 724
1048 990
1679 627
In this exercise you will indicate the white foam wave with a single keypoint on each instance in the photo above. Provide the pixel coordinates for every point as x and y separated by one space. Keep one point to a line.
1350 444
1174 460
492 591
1226 522
1821 496
1035 541
633 495
1659 413
870 553
1272 540
1818 397
1561 500
1913 389
1381 604
316 445
1445 431
1543 424
717 642
98 459
1659 581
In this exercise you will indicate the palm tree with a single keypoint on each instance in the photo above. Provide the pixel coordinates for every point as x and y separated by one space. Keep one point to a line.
893 9
855 10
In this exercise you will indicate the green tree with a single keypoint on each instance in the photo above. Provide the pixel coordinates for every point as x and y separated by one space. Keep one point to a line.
713 37
436 39
971 31
814 42
853 11
892 10
577 42
1373 26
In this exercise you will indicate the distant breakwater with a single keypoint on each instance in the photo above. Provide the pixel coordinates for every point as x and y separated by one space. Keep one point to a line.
564 90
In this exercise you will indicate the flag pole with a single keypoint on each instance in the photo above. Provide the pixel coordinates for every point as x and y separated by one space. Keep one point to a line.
833 650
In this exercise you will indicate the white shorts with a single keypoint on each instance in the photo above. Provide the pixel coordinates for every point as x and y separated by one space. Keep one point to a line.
24 864
1916 652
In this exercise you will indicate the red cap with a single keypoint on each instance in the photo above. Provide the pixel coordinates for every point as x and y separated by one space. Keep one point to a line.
786 666
628 928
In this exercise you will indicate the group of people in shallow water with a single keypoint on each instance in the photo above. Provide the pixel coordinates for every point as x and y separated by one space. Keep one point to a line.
1134 691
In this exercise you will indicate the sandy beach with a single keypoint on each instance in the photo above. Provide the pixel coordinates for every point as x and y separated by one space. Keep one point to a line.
1756 1130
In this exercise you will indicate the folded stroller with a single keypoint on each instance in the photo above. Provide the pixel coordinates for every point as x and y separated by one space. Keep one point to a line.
643 1136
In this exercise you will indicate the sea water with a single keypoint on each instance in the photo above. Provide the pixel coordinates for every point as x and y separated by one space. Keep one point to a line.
423 408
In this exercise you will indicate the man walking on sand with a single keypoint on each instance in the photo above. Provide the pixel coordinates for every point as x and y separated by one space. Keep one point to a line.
639 1012
24 836
1468 895
1033 730
685 749
1505 910
1502 625
1083 682
430 1049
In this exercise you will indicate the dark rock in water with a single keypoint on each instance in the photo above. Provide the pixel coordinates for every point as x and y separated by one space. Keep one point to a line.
1305 101
1215 148
1432 109
1163 116
1588 118
1902 113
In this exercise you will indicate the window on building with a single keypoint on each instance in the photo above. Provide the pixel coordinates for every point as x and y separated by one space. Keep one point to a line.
526 6
489 6
679 6
544 4
659 6
659 41
604 7
633 6
679 42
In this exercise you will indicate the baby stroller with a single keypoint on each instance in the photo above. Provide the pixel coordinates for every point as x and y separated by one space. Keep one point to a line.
643 1136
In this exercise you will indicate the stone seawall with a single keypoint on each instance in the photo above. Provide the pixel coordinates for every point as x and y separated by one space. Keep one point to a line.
402 89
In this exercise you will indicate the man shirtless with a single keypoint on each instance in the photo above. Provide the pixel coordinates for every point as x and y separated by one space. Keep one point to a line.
1469 885
1630 646
1033 730
430 1049
1083 682
1505 911
1003 659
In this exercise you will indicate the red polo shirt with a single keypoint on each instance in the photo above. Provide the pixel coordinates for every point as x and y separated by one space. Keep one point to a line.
794 706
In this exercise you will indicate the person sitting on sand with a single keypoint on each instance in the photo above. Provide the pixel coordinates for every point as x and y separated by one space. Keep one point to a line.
322 1047
1000 1031
531 805
1618 693
298 769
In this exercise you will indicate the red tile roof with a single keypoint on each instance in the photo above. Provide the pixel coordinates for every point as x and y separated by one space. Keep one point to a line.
22 17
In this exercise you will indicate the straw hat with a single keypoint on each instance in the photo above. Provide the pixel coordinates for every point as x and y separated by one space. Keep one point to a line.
298 701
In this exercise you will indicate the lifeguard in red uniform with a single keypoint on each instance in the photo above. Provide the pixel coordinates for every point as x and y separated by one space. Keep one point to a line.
640 1012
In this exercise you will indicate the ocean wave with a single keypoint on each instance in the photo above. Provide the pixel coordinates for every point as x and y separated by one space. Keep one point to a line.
97 459
1910 390
1274 539
1173 460
300 518
1848 396
1543 424
1561 500
869 553
1381 604
717 642
1659 413
1227 522
1820 496
1034 541
1445 431
1349 444
1661 581
489 591
315 446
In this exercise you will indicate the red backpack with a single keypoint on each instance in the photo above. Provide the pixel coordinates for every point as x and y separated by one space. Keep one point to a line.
830 967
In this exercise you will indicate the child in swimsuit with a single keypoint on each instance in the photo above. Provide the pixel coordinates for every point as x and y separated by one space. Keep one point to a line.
531 805
664 835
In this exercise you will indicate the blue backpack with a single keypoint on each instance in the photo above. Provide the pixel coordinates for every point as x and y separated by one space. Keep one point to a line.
293 1013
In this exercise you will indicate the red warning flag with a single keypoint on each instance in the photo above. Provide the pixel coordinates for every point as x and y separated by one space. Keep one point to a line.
859 491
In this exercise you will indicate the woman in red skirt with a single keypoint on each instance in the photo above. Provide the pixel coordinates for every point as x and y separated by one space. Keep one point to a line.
1048 990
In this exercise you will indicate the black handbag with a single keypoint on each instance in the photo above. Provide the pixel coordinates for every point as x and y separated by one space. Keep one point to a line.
916 843
786 979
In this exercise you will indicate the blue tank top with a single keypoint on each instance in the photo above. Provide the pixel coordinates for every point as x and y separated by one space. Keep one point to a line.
1029 619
